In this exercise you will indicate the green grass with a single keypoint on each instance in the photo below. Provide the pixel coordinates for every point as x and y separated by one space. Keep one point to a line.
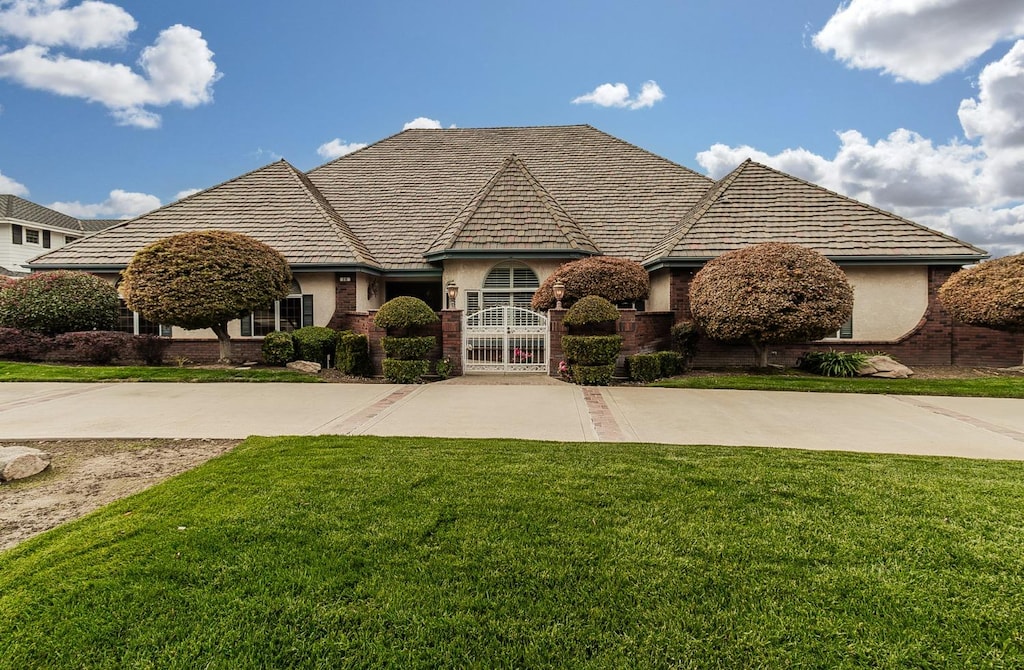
985 387
40 372
340 552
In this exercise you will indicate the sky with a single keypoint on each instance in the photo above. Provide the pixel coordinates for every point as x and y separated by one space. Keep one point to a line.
110 109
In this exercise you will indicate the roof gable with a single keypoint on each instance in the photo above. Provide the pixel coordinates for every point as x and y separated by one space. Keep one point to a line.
755 203
18 208
275 204
511 211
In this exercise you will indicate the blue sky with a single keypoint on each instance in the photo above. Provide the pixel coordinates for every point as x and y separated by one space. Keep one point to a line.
112 108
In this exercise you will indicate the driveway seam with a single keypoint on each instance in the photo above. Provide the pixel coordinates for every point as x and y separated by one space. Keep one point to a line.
965 418
373 413
605 425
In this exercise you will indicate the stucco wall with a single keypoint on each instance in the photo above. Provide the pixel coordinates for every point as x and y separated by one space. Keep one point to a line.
661 283
888 302
369 292
469 274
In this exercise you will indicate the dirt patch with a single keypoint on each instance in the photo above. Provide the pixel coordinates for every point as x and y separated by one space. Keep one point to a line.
87 474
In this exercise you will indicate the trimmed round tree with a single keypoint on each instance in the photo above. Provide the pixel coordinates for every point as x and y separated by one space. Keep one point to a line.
205 279
770 293
990 295
614 279
405 359
57 302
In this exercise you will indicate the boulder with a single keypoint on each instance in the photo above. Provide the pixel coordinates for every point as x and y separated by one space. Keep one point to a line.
21 462
884 367
304 366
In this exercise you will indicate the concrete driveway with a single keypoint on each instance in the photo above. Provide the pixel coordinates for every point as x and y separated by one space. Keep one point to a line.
534 409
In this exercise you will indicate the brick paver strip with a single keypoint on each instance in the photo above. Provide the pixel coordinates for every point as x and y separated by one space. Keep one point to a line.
605 425
977 423
368 414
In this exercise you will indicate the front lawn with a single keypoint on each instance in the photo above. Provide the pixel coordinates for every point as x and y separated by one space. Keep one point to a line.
383 552
986 387
45 372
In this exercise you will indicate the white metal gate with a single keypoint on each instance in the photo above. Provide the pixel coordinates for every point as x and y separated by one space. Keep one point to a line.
505 339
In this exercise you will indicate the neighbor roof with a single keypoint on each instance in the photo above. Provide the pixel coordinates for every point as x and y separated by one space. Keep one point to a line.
275 204
755 203
11 206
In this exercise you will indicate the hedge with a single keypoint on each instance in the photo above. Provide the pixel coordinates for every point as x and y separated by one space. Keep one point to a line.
592 349
150 348
315 343
352 355
93 346
404 372
278 348
407 348
23 345
59 302
593 375
644 367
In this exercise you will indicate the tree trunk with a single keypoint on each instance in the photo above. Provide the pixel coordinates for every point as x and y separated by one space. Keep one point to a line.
762 353
221 331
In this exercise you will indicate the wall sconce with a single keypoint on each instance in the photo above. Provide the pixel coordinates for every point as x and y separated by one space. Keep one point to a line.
453 292
559 290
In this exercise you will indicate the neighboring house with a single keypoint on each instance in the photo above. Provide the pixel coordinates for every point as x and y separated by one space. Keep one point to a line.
28 229
495 211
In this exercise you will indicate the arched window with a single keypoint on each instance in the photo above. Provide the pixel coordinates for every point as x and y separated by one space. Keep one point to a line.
287 314
510 283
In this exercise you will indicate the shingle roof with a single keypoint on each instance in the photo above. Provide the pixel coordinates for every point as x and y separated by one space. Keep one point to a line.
399 194
755 203
94 225
512 211
275 204
18 208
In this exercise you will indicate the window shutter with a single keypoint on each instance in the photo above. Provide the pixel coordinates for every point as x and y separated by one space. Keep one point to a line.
499 277
16 234
307 310
472 302
524 278
846 331
46 239
247 325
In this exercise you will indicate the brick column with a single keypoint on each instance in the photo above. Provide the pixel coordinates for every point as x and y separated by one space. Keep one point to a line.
557 329
344 298
451 338
626 328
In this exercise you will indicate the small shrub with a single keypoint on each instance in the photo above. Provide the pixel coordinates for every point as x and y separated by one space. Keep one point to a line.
672 363
590 310
685 337
315 343
404 372
407 348
91 346
352 355
150 348
593 375
592 349
59 302
278 348
833 363
616 279
443 368
644 367
404 312
23 345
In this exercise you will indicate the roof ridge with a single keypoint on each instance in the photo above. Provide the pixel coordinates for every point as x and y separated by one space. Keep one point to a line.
649 153
867 206
548 199
692 215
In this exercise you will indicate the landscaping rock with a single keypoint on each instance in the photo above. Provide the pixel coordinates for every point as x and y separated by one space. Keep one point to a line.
21 462
884 367
304 366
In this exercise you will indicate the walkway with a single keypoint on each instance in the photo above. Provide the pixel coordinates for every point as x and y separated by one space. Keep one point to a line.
509 407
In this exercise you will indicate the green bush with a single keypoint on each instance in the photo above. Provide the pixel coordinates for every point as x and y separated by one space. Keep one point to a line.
315 343
644 367
278 348
672 363
592 349
590 310
404 372
150 348
593 375
404 312
833 363
352 355
59 302
407 348
443 368
685 336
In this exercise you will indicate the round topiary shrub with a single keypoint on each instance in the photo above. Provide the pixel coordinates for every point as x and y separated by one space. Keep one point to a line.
615 279
590 310
404 313
278 348
59 302
990 294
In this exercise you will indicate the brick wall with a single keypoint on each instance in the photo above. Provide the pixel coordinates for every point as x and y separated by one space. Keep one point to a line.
344 298
208 351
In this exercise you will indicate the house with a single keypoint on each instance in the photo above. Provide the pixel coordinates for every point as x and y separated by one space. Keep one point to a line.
28 229
490 213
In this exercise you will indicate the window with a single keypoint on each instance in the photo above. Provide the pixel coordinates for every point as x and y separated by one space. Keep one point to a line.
288 314
15 233
46 239
68 239
506 284
134 323
31 236
845 331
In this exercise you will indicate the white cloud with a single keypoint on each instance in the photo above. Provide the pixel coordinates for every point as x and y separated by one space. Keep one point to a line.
267 155
120 205
9 186
422 122
186 193
918 40
337 148
177 68
995 116
617 95
89 25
